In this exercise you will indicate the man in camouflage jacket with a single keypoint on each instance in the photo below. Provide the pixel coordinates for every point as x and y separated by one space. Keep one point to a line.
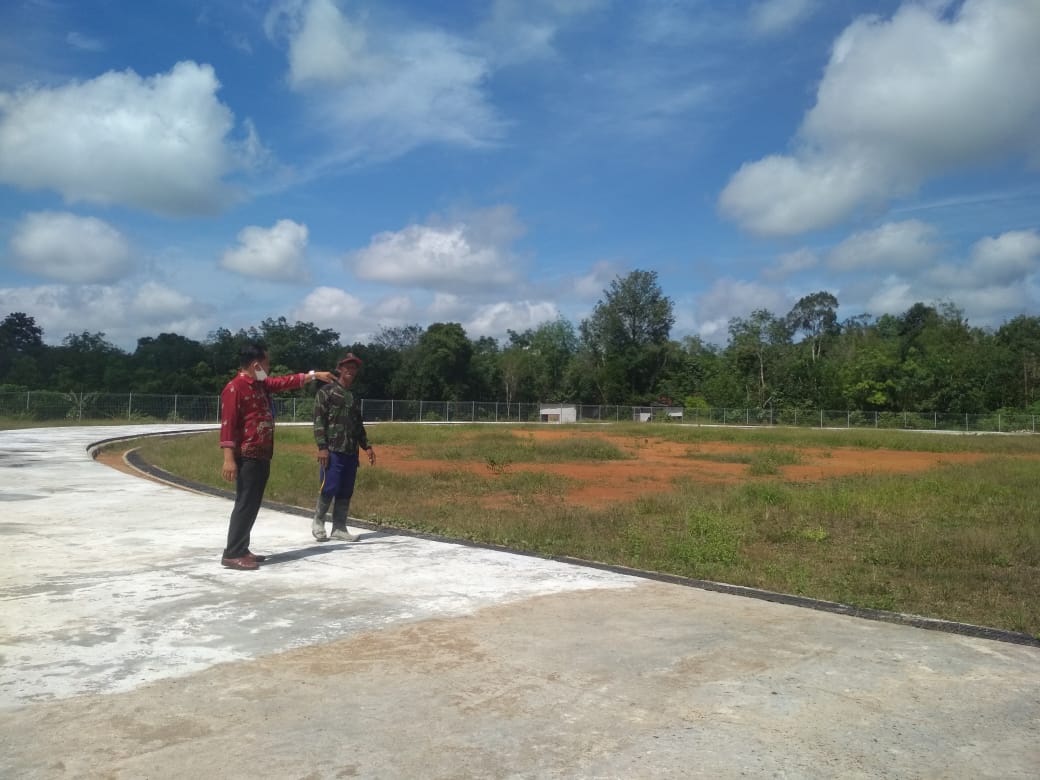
339 432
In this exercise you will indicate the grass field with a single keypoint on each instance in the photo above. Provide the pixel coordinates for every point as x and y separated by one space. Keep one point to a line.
956 537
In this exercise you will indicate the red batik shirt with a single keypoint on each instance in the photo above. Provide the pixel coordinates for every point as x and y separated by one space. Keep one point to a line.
246 418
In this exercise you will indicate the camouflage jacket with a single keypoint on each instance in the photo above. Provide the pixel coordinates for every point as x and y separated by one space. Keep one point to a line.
338 425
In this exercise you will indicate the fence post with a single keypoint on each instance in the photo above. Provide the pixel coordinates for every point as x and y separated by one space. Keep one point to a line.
875 418
821 418
998 422
848 419
129 406
935 421
473 414
175 408
28 395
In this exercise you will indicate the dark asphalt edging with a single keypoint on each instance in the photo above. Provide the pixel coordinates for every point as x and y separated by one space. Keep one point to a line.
899 618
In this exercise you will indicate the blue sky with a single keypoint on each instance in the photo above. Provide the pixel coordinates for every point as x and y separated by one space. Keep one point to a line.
194 164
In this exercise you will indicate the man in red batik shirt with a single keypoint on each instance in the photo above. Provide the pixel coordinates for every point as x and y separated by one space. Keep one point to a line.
247 438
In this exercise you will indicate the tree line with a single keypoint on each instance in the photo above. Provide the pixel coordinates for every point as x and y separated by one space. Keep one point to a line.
926 359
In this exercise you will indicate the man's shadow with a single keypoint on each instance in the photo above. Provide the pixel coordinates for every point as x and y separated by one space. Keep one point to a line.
318 548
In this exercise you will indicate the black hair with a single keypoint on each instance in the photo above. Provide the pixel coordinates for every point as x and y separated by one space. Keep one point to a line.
251 351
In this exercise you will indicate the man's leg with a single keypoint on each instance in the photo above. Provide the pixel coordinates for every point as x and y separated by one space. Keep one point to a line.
325 495
348 466
249 494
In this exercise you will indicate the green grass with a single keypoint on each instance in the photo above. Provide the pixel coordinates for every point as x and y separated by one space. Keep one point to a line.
958 542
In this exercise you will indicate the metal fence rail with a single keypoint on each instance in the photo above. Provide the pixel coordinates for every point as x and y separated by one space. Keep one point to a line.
45 405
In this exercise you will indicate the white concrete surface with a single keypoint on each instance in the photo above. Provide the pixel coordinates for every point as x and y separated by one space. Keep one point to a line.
117 580
126 650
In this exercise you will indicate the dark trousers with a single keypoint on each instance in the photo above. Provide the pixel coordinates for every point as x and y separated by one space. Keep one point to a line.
249 494
337 479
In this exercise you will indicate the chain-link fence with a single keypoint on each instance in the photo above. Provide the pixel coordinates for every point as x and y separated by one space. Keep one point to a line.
48 406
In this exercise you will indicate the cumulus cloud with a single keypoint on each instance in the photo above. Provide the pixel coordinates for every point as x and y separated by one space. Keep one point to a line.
330 307
900 101
775 17
791 263
495 319
996 280
69 248
381 90
123 313
910 244
276 253
728 298
592 285
1007 258
473 251
158 143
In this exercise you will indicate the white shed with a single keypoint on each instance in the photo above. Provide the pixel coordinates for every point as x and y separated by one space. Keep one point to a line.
558 413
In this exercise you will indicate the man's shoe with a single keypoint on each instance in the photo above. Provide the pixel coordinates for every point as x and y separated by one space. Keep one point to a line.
343 535
318 530
245 563
255 557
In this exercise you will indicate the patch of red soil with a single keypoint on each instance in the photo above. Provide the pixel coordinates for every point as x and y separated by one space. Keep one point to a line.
657 465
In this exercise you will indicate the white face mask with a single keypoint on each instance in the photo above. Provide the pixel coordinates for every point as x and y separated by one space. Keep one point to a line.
260 374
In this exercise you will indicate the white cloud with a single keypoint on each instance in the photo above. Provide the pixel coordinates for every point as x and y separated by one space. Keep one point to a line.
155 143
893 296
592 285
996 281
155 302
496 318
330 307
1008 257
728 298
901 101
901 245
472 252
791 263
275 253
83 42
517 31
123 313
380 90
70 248
775 17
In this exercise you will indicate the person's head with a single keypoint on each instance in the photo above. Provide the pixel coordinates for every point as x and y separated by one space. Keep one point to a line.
254 360
348 368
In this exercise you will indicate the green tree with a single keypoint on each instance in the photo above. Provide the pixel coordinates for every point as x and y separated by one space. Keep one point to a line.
756 349
300 346
485 372
625 338
815 317
21 344
438 368
87 362
1019 377
552 347
168 363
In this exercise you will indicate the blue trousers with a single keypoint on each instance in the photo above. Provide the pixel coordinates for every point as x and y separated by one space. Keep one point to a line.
337 479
